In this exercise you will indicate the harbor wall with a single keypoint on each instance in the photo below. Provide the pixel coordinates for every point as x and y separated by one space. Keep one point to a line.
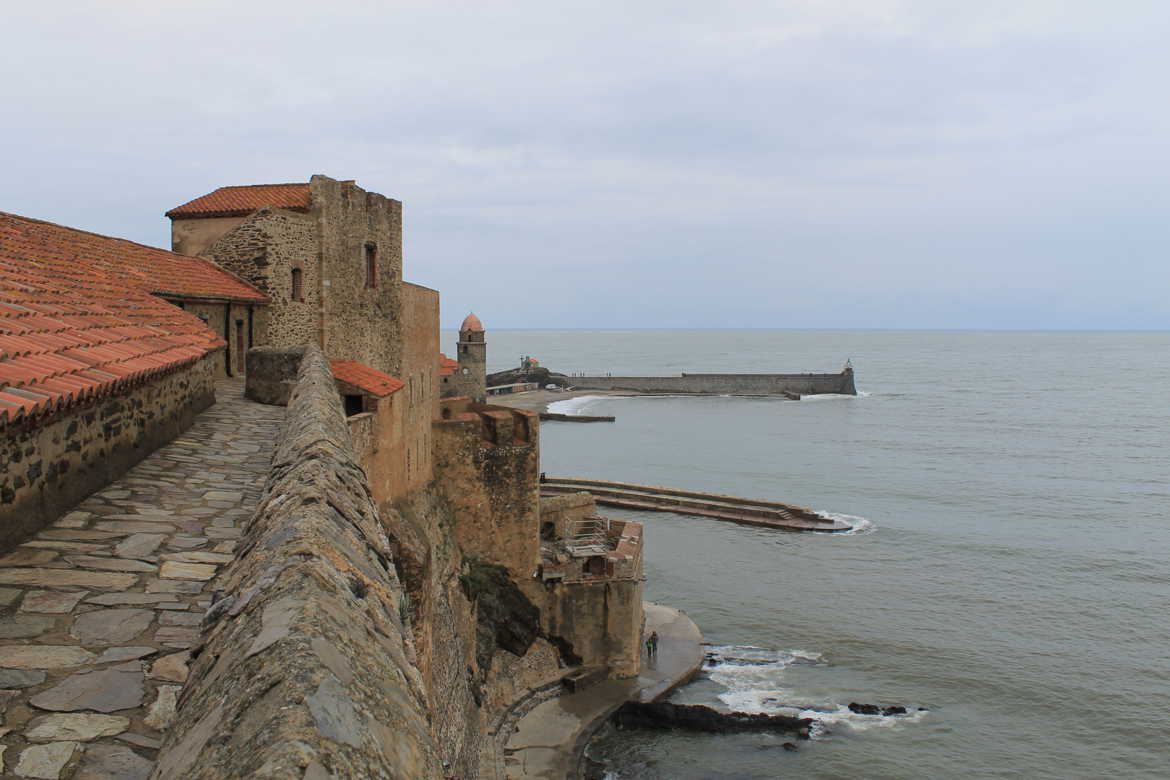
724 384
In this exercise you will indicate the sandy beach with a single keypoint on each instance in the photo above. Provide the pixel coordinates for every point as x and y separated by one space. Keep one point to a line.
538 400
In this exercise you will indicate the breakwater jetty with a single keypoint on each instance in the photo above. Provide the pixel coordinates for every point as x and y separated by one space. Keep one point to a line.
770 514
576 418
725 384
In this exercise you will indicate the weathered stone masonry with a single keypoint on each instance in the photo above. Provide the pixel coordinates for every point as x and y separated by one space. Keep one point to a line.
306 670
51 464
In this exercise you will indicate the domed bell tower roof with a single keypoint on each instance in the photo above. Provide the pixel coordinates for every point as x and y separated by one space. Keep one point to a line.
471 323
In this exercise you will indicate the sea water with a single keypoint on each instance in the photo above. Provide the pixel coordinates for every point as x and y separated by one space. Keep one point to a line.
1010 574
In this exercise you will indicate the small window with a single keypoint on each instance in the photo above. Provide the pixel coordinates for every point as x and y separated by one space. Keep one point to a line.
353 405
298 289
371 266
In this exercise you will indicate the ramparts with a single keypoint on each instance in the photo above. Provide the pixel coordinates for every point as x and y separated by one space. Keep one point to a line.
306 670
724 384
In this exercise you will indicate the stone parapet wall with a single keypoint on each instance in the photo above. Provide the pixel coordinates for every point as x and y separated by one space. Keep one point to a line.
724 384
52 463
272 374
307 669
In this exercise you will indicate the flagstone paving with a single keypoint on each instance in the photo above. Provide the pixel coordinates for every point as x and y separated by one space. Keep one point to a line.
99 612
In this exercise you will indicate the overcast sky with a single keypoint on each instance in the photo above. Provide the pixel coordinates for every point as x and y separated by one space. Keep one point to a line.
807 163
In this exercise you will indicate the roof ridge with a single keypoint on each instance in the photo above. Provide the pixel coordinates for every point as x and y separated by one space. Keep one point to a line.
216 266
23 218
244 186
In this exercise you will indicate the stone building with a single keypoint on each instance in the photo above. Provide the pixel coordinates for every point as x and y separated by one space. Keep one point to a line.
329 256
395 487
107 350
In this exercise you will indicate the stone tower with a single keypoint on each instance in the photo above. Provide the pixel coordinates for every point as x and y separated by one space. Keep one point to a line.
473 358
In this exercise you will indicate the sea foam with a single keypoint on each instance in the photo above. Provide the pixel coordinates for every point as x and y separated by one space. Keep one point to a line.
753 678
574 406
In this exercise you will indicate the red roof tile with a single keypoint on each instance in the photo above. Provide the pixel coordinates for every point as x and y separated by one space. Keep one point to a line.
78 319
365 378
447 366
243 200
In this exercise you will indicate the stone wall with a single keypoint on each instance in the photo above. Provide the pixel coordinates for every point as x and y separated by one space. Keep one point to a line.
51 463
487 466
601 620
419 369
724 384
272 374
306 669
361 322
264 249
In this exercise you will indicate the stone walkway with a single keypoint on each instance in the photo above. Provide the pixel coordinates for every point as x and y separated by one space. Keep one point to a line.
98 612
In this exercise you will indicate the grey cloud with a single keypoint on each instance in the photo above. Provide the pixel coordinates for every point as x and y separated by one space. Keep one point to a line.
797 164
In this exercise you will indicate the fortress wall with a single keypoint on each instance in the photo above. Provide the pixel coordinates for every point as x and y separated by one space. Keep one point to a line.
307 666
601 620
361 322
420 371
723 384
50 464
486 465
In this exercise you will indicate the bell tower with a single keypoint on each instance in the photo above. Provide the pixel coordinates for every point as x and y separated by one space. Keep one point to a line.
473 358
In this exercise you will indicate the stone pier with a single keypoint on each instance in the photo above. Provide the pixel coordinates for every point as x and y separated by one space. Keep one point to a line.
101 610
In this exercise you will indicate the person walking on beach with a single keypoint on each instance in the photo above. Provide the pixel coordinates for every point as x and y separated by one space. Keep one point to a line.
653 643
649 646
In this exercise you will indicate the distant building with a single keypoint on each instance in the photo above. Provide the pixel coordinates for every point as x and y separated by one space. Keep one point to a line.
467 376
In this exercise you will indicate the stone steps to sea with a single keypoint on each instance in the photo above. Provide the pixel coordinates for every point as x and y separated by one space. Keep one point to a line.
772 514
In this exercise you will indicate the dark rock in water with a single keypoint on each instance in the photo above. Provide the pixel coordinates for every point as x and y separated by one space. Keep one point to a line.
876 709
790 747
695 717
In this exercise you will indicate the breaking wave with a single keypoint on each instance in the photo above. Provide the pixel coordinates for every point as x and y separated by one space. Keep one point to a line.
574 406
753 679
857 525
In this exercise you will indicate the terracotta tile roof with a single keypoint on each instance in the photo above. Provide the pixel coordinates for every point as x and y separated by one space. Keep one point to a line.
243 200
367 379
78 320
447 366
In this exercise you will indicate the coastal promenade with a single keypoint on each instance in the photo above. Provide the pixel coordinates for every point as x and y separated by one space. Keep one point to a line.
549 739
100 611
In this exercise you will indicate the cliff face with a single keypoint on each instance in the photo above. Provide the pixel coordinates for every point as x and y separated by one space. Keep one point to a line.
478 639
467 549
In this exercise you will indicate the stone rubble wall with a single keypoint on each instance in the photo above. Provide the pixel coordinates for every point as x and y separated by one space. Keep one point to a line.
272 374
264 249
307 668
50 464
